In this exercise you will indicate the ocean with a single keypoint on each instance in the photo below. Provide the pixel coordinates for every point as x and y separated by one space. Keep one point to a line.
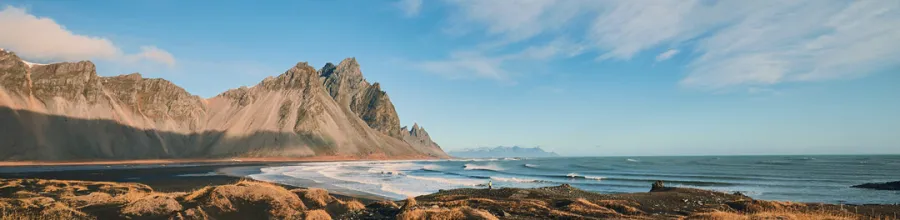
824 179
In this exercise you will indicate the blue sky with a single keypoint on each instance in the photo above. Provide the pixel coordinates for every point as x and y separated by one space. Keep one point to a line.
579 77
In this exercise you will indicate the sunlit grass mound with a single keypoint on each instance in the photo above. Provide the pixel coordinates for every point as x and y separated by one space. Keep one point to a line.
783 215
245 199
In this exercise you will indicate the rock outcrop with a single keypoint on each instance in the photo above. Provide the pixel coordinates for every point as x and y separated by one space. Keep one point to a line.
345 83
65 111
419 137
880 186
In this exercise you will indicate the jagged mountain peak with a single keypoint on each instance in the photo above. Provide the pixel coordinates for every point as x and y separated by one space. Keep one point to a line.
349 63
132 76
301 112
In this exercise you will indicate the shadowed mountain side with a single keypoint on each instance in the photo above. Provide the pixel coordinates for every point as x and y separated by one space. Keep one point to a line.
65 111
27 135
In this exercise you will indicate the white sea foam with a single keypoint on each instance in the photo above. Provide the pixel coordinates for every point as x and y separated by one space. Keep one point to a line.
432 167
598 178
490 166
572 175
632 160
531 165
515 180
452 181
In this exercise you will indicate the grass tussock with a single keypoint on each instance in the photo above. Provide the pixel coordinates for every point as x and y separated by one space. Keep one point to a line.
458 213
785 215
157 204
621 206
314 198
339 208
584 207
317 214
39 208
409 204
94 198
246 199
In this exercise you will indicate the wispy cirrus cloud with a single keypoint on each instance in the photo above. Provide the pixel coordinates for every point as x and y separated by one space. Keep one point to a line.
666 55
736 43
410 8
41 38
482 63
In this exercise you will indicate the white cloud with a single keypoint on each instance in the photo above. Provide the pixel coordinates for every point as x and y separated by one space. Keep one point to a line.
666 55
514 20
467 65
738 43
41 38
483 64
154 54
410 7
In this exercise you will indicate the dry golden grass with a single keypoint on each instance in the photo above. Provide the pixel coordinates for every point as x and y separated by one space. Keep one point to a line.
39 208
564 215
338 207
156 204
409 204
751 206
518 206
621 206
314 198
317 214
386 204
459 213
94 198
247 199
785 215
584 207
25 194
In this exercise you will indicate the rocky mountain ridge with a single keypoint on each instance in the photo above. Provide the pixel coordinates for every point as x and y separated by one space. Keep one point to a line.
65 111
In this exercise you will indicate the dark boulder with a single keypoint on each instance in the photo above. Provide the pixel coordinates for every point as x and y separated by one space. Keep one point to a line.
659 186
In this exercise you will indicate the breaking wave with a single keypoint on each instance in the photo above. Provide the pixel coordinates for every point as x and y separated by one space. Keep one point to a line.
491 167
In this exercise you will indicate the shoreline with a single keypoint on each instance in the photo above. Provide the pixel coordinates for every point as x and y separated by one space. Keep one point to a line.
173 177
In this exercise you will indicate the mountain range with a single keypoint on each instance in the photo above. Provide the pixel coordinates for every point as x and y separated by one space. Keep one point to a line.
501 151
67 112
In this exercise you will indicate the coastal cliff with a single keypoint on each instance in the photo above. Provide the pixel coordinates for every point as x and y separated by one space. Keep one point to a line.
66 111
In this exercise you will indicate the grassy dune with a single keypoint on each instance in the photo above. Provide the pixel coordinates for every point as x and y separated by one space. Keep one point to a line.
247 199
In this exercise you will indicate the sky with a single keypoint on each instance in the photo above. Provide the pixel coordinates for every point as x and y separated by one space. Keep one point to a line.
578 77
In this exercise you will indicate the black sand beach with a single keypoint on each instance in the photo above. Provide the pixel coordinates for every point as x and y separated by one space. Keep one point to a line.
162 177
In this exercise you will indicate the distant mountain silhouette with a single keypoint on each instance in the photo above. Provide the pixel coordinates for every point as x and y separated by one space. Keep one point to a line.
496 152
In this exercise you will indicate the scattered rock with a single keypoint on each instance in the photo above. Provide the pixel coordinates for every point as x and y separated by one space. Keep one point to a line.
657 186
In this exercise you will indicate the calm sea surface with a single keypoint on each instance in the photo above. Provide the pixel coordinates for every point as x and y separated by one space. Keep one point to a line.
790 178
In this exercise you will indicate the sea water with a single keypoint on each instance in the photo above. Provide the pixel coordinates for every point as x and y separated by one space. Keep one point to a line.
789 178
